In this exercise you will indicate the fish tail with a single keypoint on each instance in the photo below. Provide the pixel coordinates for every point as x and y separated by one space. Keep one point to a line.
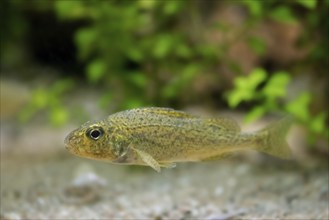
273 139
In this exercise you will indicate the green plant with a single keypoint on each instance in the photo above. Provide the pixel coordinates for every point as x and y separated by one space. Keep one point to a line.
49 100
151 52
270 98
137 49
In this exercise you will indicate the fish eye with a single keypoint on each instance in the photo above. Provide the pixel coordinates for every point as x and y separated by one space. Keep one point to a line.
95 133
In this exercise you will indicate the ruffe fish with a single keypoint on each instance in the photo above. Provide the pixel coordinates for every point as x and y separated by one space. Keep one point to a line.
160 137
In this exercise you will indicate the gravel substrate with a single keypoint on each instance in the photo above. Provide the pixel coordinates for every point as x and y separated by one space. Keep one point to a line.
66 187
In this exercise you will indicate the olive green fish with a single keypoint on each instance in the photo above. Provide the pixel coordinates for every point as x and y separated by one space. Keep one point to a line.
160 137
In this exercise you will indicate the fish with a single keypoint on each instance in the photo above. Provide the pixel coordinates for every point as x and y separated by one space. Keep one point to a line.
161 137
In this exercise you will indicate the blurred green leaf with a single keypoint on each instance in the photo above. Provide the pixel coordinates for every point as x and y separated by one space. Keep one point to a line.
62 86
310 4
276 86
178 83
222 26
257 44
235 97
39 98
208 50
299 106
133 102
59 116
245 87
254 79
184 51
171 89
95 70
318 123
136 54
255 113
85 39
138 79
105 100
163 46
147 4
50 100
189 72
255 7
69 9
172 7
283 14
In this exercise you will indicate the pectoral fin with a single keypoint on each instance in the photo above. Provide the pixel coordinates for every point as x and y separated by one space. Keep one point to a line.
148 159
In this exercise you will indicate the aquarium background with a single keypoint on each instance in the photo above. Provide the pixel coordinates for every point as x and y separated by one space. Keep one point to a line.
67 62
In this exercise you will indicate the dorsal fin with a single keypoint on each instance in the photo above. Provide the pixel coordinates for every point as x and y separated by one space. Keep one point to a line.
225 123
165 111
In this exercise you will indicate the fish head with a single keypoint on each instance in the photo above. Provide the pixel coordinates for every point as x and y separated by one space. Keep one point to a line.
91 140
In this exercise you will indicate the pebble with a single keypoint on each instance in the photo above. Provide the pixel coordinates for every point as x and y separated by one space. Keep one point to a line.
86 187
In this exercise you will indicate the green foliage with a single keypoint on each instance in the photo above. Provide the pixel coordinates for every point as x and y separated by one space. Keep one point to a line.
180 82
152 52
310 4
276 10
246 87
96 70
145 34
283 14
256 8
267 92
270 99
257 45
49 100
300 109
71 9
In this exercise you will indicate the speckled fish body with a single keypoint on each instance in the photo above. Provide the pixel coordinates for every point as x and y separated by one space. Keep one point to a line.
160 137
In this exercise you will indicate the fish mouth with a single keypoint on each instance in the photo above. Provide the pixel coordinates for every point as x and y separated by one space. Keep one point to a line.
67 146
67 138
68 141
70 147
72 142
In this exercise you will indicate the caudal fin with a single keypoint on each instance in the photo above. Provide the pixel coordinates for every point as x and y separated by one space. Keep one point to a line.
273 139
